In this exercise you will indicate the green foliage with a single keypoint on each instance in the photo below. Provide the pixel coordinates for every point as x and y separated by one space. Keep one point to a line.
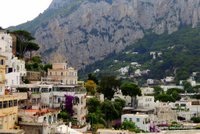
90 86
188 87
93 105
131 89
119 104
195 119
180 55
109 110
103 113
164 98
158 90
24 43
64 115
171 95
129 125
35 64
93 78
108 86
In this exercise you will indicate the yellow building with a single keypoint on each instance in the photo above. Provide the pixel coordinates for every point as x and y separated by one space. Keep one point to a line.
60 72
8 111
2 74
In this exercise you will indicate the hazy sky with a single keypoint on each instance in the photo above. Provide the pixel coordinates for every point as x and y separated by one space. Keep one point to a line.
14 12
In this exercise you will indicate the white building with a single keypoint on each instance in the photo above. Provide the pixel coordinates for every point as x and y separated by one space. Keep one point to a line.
146 102
169 79
15 68
6 44
141 120
119 95
54 96
186 108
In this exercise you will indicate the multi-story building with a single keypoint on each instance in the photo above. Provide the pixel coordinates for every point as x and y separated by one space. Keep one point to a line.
186 109
15 68
60 72
8 111
54 96
146 102
6 45
2 74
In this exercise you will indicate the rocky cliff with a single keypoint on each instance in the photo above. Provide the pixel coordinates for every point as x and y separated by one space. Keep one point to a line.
84 31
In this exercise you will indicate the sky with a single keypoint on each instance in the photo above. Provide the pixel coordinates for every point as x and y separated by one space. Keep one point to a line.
15 12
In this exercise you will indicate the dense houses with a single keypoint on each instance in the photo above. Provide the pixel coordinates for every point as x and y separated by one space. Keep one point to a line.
36 106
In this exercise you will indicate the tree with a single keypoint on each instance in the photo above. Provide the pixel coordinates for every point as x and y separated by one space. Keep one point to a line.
109 111
31 46
93 104
187 87
158 90
165 98
93 78
119 104
174 92
46 67
24 43
171 90
109 85
131 89
91 86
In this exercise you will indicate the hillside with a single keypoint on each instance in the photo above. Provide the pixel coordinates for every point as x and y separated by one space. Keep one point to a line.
85 31
177 54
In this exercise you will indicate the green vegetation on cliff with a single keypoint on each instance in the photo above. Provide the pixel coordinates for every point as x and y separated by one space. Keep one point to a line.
177 54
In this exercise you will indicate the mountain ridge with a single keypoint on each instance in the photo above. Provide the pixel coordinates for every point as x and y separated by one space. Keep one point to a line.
85 31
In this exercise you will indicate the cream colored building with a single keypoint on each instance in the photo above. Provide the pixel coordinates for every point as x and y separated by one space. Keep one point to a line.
60 72
8 111
2 74
164 113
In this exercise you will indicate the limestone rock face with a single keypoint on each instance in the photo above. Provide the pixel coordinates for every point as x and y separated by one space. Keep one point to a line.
92 29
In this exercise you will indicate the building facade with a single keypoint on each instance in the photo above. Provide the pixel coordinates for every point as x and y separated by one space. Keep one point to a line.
8 111
60 72
141 120
2 74
15 68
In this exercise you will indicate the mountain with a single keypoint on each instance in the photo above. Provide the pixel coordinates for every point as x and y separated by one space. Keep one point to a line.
177 55
85 31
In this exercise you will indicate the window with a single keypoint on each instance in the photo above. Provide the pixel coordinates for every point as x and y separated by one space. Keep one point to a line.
2 62
5 104
15 102
138 119
10 103
125 119
59 100
61 73
130 119
0 105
